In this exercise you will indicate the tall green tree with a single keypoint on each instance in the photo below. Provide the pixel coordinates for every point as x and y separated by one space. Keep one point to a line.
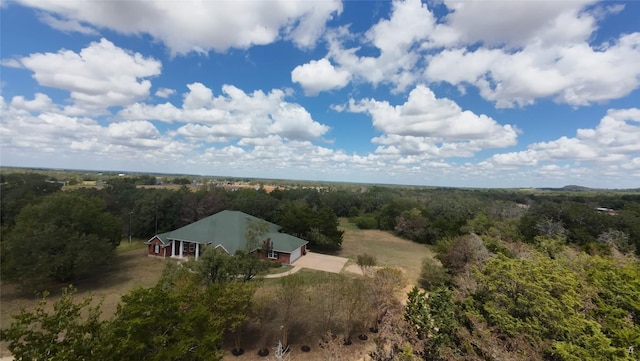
164 324
66 236
21 189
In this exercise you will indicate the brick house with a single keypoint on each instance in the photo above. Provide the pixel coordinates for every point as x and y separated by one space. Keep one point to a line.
228 230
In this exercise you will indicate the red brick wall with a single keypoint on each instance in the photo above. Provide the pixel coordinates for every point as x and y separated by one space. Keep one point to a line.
284 258
164 252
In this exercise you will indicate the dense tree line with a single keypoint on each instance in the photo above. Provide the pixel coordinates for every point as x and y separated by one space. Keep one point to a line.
50 234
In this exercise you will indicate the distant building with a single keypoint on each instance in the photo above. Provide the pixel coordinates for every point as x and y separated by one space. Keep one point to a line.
609 211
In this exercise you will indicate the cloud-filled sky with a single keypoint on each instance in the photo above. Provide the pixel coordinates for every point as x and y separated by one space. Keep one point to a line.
534 93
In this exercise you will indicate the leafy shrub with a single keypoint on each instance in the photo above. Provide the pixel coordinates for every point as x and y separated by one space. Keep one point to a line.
366 221
433 275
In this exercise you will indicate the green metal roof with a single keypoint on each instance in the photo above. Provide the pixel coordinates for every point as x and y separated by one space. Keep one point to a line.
162 237
228 229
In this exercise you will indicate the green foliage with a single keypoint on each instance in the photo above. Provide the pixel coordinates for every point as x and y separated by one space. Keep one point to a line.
418 314
579 222
366 221
617 298
231 302
342 202
462 252
256 203
70 331
319 227
444 313
326 222
545 300
433 275
432 317
388 216
181 181
550 247
256 230
412 224
21 189
495 246
65 236
216 266
249 265
165 324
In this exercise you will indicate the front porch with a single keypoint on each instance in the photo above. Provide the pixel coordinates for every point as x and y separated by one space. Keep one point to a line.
182 249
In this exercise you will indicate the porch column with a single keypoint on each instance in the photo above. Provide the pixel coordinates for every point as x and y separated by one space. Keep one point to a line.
197 250
181 247
173 248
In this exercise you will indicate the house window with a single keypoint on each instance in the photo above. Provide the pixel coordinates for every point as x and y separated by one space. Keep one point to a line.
192 247
156 249
272 254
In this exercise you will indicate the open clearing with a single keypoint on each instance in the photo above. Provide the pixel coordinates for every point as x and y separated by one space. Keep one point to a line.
387 248
133 268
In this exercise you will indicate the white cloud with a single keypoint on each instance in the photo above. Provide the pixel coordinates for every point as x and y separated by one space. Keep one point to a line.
10 63
234 113
132 129
542 49
165 92
319 75
66 25
99 76
199 96
60 136
613 141
576 74
40 103
394 39
513 23
186 26
424 121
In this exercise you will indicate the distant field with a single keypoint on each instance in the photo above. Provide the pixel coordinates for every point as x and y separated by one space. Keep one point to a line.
386 247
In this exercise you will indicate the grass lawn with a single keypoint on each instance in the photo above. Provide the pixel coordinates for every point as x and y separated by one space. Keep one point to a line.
310 277
386 247
126 246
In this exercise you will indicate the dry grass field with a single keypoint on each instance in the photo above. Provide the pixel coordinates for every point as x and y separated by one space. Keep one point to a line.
387 248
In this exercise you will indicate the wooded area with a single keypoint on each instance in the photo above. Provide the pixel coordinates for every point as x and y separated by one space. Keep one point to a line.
520 274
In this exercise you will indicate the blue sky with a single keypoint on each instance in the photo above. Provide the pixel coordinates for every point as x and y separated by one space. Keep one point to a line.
443 93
